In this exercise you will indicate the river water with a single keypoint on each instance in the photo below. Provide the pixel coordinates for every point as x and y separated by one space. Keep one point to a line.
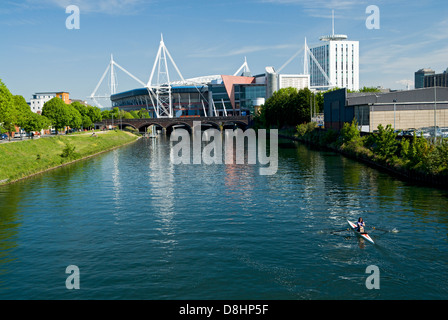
138 226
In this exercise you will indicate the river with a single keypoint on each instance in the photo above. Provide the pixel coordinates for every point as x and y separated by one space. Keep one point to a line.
138 226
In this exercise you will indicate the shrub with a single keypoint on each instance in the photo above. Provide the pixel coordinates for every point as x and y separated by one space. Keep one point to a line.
385 143
69 151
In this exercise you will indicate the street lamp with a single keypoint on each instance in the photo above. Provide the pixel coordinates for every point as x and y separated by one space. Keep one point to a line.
395 101
435 107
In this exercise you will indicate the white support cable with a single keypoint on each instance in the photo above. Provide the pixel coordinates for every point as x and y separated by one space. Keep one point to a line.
330 84
129 74
112 82
224 106
101 80
289 60
203 107
214 108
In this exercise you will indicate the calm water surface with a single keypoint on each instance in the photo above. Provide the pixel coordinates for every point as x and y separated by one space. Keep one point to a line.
139 227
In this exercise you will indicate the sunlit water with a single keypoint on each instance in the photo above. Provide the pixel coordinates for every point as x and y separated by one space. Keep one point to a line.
140 227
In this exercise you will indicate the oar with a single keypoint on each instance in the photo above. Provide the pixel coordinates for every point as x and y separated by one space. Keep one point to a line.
379 229
347 229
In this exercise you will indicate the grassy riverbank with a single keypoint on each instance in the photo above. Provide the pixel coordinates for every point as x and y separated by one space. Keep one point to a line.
25 158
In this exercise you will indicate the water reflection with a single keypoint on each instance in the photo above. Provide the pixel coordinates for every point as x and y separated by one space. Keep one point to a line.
116 179
9 227
161 187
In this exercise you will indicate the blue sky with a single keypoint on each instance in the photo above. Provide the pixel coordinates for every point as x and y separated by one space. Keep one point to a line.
206 37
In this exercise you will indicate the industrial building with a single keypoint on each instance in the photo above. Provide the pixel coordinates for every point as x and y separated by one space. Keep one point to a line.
410 109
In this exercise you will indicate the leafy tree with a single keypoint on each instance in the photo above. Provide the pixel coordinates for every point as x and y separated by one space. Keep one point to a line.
127 115
7 110
58 113
94 114
35 122
134 114
350 132
106 114
288 107
22 110
86 122
143 114
81 108
75 121
385 142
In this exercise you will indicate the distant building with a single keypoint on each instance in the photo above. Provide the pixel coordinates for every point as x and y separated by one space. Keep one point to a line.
335 63
436 80
416 109
298 81
39 98
419 81
80 101
275 81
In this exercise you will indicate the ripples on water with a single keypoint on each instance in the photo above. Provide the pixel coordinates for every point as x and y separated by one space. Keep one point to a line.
139 227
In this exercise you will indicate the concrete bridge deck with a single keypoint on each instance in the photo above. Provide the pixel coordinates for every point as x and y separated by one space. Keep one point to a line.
168 123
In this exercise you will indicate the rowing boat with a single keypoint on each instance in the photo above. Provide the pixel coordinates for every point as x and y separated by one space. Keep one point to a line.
363 235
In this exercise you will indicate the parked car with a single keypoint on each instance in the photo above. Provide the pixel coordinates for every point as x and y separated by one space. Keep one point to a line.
407 133
422 133
444 132
3 136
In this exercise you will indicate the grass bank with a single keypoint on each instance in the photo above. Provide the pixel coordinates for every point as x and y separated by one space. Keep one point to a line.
22 159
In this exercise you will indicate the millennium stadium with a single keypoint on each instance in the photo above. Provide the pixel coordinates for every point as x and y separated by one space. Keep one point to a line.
239 94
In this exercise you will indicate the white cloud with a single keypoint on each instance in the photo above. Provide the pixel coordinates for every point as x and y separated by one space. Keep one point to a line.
219 52
320 4
98 6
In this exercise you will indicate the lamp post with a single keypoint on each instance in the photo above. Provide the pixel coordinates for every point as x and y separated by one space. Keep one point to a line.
435 107
395 101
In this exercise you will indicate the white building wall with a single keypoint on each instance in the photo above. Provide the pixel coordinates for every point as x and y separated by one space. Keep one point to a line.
342 58
38 101
298 81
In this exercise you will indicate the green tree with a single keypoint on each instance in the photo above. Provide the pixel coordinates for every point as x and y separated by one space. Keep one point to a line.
134 114
385 142
81 108
86 122
7 110
288 107
22 111
35 122
58 113
94 114
106 114
75 121
143 114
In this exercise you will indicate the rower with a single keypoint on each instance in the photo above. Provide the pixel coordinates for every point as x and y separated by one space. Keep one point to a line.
360 225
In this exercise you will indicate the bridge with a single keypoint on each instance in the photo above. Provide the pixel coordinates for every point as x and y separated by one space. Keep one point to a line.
168 124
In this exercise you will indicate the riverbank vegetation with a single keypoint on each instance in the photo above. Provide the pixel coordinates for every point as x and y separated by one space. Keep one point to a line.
411 156
289 107
16 113
116 113
24 158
